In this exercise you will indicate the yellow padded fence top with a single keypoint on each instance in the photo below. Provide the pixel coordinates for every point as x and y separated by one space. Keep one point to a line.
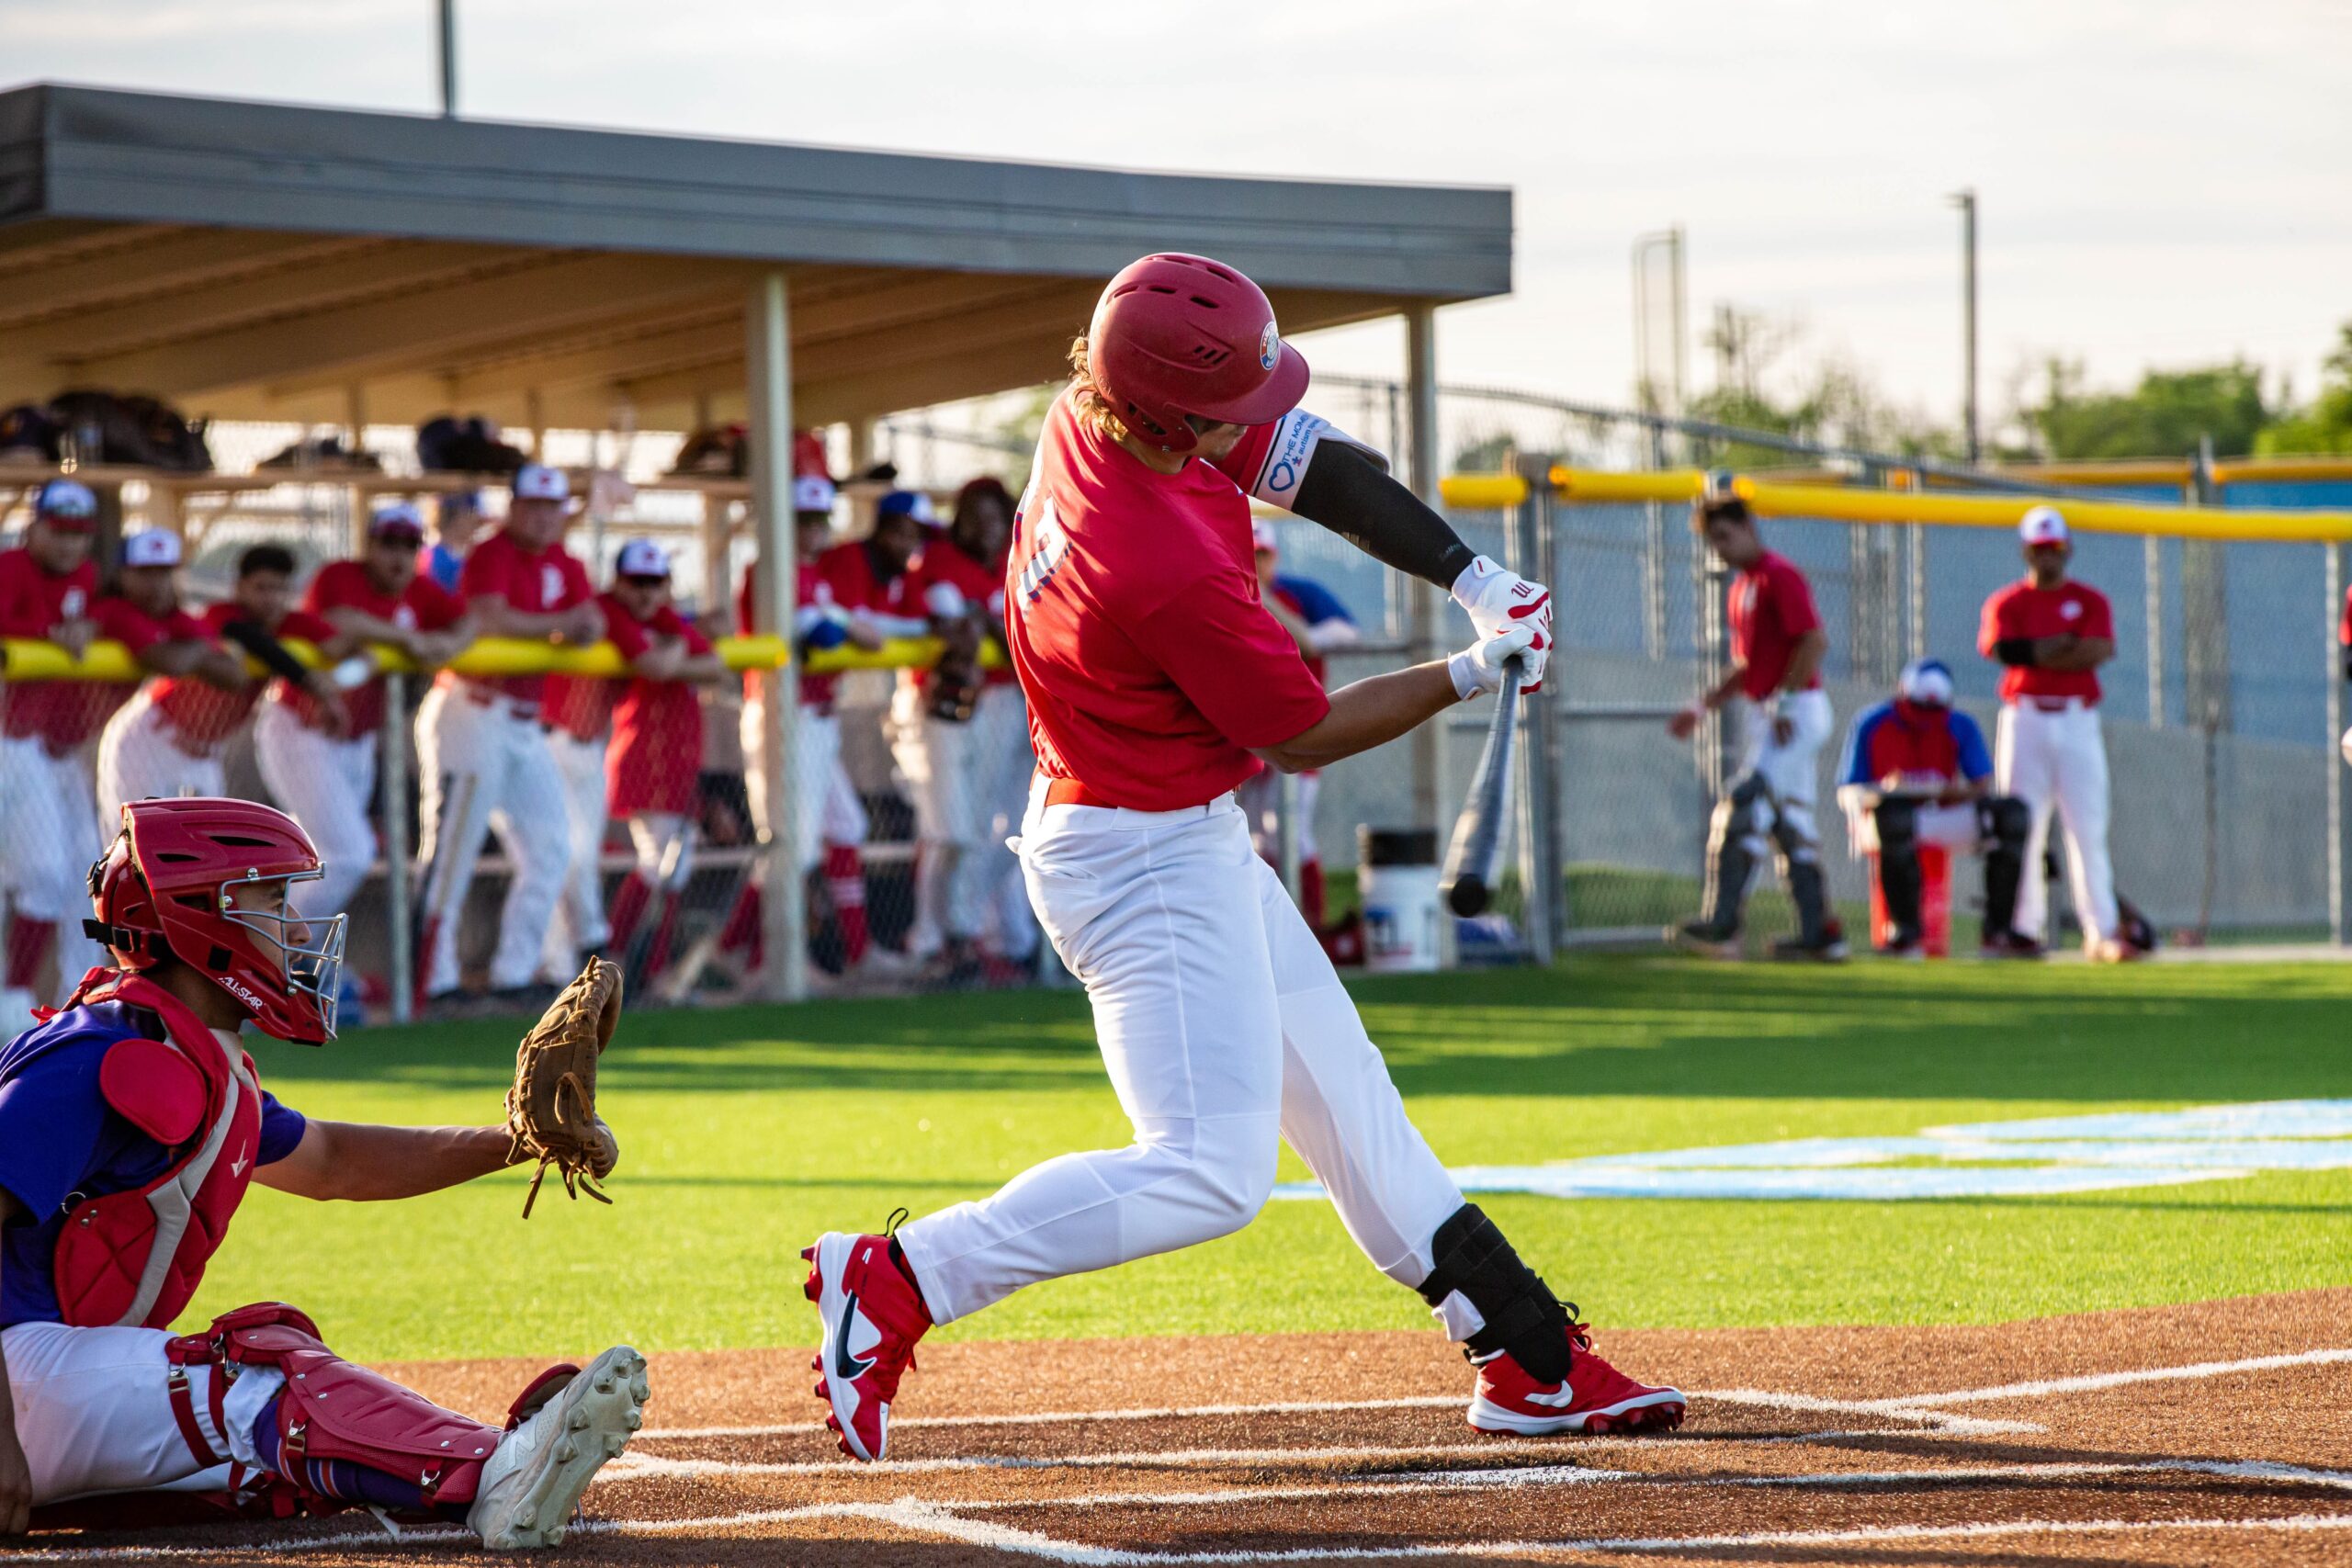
1836 503
110 661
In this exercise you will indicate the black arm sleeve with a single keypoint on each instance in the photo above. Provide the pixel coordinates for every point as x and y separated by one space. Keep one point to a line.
249 636
2014 650
1347 492
2347 663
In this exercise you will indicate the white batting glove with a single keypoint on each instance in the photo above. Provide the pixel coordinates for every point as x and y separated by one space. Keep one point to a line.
1480 667
1498 599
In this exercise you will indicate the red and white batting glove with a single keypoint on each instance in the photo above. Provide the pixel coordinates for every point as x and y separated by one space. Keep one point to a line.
1478 669
1498 600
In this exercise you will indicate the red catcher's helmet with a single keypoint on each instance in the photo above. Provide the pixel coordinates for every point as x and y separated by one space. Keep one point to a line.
1176 334
165 887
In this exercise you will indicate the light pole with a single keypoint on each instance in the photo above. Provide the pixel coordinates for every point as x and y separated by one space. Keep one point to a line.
448 59
1966 201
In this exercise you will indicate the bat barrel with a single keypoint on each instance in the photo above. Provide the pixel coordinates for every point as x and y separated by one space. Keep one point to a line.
1468 881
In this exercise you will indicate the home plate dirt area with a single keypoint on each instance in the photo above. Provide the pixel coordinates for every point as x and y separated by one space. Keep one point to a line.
2215 1432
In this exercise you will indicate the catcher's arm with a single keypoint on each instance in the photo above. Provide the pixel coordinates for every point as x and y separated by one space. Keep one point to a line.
360 1163
552 1111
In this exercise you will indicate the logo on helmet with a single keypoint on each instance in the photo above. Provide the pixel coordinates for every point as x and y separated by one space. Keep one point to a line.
1270 348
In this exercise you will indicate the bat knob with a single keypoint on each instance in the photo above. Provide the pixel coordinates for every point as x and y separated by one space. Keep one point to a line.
1467 896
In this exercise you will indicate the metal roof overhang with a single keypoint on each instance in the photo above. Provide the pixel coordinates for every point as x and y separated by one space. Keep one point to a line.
260 261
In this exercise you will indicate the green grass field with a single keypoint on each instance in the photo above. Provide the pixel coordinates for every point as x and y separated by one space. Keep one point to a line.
747 1132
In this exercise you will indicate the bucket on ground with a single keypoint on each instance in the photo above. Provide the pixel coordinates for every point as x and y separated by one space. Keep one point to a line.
1397 874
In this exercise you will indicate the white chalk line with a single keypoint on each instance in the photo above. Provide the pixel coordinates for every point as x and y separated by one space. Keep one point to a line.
1081 1417
2095 1382
634 1466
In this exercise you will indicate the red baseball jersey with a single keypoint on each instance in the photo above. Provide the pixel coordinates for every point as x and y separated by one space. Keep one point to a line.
582 706
655 759
2343 631
424 605
1771 608
814 598
1133 612
947 582
62 714
205 715
127 624
536 582
2022 610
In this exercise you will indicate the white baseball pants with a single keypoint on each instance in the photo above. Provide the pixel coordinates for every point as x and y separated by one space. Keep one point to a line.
516 789
94 1414
1261 799
49 833
950 769
1225 1030
830 811
664 843
1792 767
324 783
579 923
2057 758
138 760
1005 764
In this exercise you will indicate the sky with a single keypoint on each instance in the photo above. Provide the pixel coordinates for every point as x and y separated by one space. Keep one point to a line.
2162 182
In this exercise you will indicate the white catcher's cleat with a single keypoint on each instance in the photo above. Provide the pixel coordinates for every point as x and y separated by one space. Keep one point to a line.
535 1478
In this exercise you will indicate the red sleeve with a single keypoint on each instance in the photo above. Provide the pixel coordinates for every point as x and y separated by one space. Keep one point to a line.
2099 615
1233 662
577 589
2344 633
1793 598
435 607
743 602
126 624
624 631
484 575
697 644
330 589
307 626
669 623
18 609
1988 630
1248 455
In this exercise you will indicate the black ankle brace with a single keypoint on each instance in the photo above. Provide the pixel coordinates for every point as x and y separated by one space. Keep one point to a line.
1522 1317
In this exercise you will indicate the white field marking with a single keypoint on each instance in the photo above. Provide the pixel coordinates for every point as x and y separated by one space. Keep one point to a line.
1932 1420
2093 1382
633 1466
1082 1418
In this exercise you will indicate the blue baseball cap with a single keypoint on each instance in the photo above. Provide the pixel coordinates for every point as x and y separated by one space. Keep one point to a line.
905 503
69 502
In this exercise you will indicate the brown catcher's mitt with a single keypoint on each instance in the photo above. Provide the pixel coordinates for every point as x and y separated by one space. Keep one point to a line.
551 1110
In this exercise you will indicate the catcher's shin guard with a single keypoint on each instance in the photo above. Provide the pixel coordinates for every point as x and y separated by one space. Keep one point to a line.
1521 1315
1736 846
2003 822
1899 878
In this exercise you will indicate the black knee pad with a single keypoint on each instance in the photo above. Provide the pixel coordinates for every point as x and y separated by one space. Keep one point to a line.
1522 1315
2003 819
1898 826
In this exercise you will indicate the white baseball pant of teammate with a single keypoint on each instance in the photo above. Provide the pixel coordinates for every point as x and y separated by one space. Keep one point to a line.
830 810
324 783
941 760
516 789
664 843
579 923
1005 764
1261 799
2345 746
139 760
94 1412
1791 768
2055 758
49 835
1226 1031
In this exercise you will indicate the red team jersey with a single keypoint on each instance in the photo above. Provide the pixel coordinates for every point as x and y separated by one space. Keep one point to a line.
656 753
1771 608
204 715
61 713
536 582
1134 616
836 582
2343 631
424 606
945 581
2023 610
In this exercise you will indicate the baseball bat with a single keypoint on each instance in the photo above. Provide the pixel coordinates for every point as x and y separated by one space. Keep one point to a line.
1468 881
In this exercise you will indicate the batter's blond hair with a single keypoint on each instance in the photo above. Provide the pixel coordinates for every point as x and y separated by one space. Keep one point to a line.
1092 403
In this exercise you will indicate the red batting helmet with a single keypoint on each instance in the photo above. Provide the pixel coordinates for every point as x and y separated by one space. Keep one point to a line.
1176 334
165 888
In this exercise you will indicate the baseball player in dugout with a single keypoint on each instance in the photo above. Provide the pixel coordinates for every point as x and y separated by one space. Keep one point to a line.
2344 641
1917 772
1156 682
147 747
48 832
482 757
1317 622
131 1125
1772 695
324 773
2052 632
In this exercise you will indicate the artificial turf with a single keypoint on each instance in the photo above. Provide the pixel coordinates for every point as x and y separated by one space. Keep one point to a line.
746 1131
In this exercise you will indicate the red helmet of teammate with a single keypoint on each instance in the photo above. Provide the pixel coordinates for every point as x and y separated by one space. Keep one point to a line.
166 889
1175 335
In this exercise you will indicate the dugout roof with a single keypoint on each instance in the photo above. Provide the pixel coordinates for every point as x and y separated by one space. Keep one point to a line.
261 261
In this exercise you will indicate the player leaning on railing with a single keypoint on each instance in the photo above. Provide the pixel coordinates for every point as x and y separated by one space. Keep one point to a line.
1157 682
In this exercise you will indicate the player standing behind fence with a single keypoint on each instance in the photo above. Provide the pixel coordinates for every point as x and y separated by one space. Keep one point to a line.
576 711
49 827
1774 696
948 734
2052 634
1317 622
653 768
2344 640
168 739
325 780
479 741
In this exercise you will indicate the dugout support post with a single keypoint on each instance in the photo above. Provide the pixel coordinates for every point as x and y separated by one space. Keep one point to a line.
1425 605
1529 546
768 367
2339 852
396 769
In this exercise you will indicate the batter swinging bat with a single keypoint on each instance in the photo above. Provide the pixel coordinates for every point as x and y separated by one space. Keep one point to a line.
1468 882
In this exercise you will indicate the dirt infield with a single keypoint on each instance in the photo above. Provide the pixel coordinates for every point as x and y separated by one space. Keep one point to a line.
2219 1432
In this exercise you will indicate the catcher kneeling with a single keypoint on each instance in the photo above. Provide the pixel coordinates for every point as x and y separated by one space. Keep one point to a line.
130 1122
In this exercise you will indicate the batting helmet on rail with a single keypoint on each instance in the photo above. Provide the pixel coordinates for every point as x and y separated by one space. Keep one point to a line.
1176 334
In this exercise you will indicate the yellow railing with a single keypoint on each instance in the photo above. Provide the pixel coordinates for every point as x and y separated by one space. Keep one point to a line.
1837 504
26 659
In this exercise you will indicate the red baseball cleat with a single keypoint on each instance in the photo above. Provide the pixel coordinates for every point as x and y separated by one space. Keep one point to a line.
1596 1399
871 1315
